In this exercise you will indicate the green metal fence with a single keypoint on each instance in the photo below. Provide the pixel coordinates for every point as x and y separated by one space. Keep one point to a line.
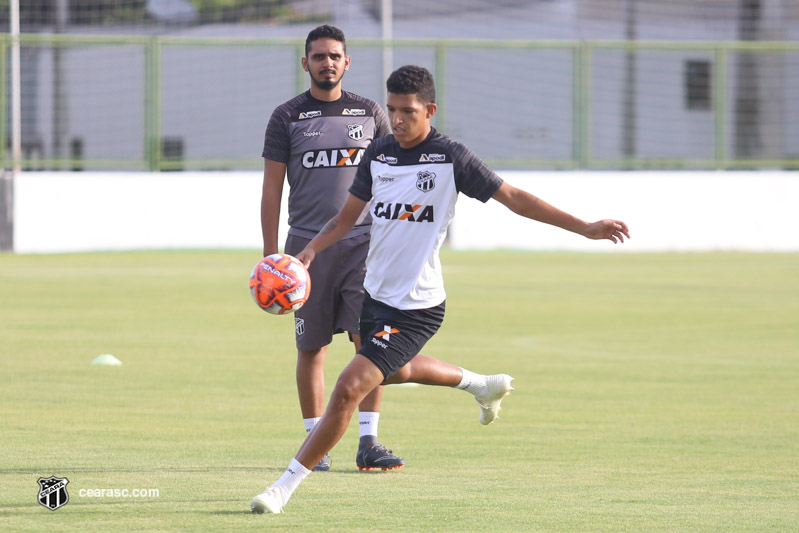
172 103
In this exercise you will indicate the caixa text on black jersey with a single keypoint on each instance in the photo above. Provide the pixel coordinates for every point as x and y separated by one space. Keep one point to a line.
336 157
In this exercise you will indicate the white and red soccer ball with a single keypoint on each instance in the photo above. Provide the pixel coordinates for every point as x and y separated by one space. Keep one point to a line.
280 284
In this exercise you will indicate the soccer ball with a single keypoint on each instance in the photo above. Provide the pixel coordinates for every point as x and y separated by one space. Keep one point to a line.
280 284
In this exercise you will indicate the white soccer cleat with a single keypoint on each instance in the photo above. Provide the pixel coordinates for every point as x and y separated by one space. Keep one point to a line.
269 501
497 387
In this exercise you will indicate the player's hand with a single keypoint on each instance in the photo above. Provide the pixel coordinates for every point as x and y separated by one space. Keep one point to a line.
306 256
612 230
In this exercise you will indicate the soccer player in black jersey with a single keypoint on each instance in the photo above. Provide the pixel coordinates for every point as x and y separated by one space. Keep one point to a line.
410 182
317 139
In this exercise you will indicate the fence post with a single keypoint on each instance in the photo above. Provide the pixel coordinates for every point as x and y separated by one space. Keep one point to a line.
3 101
720 106
152 104
300 80
577 98
581 105
441 87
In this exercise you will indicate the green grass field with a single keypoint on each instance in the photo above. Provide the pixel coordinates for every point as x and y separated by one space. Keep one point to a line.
654 392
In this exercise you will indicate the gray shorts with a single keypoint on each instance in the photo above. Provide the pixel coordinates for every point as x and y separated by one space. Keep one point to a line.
334 305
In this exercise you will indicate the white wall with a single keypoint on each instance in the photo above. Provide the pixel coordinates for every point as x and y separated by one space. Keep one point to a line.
59 212
666 211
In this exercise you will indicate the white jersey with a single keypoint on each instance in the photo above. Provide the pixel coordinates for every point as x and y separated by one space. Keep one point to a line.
413 194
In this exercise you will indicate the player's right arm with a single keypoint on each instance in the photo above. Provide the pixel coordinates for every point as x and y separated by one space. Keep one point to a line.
274 176
335 229
527 205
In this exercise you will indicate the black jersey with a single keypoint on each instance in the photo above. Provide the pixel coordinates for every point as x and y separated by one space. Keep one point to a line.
321 144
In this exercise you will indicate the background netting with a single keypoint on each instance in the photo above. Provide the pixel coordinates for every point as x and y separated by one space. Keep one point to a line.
175 84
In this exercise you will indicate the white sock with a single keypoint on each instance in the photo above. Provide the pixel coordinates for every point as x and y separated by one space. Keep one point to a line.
367 423
310 423
291 479
472 383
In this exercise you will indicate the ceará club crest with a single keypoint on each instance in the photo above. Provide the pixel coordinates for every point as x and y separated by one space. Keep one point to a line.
425 180
53 492
355 131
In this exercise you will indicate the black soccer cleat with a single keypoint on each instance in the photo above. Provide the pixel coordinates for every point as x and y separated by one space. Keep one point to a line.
374 456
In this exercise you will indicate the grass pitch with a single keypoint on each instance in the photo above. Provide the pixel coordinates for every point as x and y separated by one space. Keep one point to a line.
653 393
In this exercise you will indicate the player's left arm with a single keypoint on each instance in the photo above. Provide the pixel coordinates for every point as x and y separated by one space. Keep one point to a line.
335 229
530 206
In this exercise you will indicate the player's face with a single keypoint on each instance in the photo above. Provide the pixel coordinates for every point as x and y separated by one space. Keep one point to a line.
326 63
409 118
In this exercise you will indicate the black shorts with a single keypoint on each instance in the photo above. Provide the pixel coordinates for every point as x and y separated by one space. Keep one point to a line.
336 291
392 337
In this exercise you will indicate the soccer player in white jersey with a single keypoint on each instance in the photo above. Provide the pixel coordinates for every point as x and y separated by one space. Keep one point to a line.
315 141
411 182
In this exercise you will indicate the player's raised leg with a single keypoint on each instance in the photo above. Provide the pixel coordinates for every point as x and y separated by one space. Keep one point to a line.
488 391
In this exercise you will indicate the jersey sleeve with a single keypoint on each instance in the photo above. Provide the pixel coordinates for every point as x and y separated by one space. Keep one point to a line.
381 122
277 145
472 176
362 184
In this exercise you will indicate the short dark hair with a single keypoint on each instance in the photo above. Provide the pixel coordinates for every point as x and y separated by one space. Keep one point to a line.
325 32
411 79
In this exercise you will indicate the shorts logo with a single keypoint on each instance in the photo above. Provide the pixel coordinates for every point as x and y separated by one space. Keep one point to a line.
386 333
299 326
353 112
381 344
387 159
310 114
432 158
425 181
53 492
355 131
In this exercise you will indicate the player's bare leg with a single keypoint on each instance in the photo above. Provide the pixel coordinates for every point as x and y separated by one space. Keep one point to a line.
488 391
311 381
371 403
358 379
427 370
372 455
311 390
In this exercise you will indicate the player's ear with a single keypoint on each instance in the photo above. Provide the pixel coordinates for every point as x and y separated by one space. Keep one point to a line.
431 109
304 64
347 61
